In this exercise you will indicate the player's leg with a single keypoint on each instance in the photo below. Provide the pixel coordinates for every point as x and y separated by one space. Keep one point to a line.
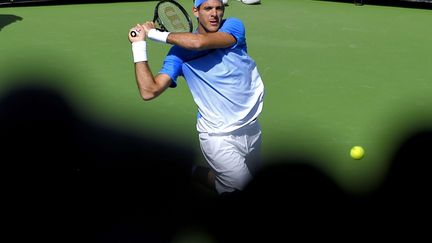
204 176
252 134
234 158
226 161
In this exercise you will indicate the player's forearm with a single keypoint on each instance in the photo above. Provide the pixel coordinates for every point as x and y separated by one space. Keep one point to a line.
194 41
188 41
146 83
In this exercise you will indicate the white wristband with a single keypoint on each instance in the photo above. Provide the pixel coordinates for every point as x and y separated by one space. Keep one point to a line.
157 35
139 51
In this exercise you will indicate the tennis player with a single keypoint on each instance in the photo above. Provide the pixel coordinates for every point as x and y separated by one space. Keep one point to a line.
225 85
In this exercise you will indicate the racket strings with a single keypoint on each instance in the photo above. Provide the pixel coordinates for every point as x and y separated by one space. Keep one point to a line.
172 18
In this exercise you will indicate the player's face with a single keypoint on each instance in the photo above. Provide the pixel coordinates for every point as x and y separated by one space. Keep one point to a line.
209 15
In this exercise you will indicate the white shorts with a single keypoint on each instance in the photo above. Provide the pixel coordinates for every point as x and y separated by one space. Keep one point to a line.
234 157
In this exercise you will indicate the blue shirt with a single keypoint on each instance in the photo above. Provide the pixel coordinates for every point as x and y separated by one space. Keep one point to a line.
224 82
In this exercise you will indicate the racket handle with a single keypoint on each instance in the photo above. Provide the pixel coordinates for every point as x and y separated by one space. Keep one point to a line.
134 33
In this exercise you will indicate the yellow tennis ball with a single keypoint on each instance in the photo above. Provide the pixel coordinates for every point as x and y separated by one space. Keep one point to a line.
357 152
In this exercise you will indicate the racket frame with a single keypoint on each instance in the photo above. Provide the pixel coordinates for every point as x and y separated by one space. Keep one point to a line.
157 20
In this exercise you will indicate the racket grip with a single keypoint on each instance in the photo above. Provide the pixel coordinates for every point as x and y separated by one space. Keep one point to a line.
133 33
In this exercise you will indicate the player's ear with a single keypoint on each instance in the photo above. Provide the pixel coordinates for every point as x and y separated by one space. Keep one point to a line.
195 11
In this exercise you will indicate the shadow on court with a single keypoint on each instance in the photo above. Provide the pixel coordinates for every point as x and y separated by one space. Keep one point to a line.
404 198
69 179
293 199
7 19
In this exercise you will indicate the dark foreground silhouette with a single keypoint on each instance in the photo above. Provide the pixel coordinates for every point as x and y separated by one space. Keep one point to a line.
67 179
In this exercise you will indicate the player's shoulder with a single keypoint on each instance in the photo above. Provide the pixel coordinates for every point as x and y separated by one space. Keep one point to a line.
233 24
233 20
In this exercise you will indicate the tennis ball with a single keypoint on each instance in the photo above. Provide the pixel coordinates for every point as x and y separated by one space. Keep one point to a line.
357 152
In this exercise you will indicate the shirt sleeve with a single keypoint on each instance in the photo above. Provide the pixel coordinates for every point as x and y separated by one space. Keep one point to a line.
174 60
172 65
236 28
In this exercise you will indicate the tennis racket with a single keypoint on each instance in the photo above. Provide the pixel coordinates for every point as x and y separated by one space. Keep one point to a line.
170 16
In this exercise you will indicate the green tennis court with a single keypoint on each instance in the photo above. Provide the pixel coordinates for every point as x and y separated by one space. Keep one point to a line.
336 75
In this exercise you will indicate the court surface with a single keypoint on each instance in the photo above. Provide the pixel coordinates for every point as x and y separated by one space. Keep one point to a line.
336 75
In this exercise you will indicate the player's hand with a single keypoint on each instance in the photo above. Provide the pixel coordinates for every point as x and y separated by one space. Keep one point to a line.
147 26
137 33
